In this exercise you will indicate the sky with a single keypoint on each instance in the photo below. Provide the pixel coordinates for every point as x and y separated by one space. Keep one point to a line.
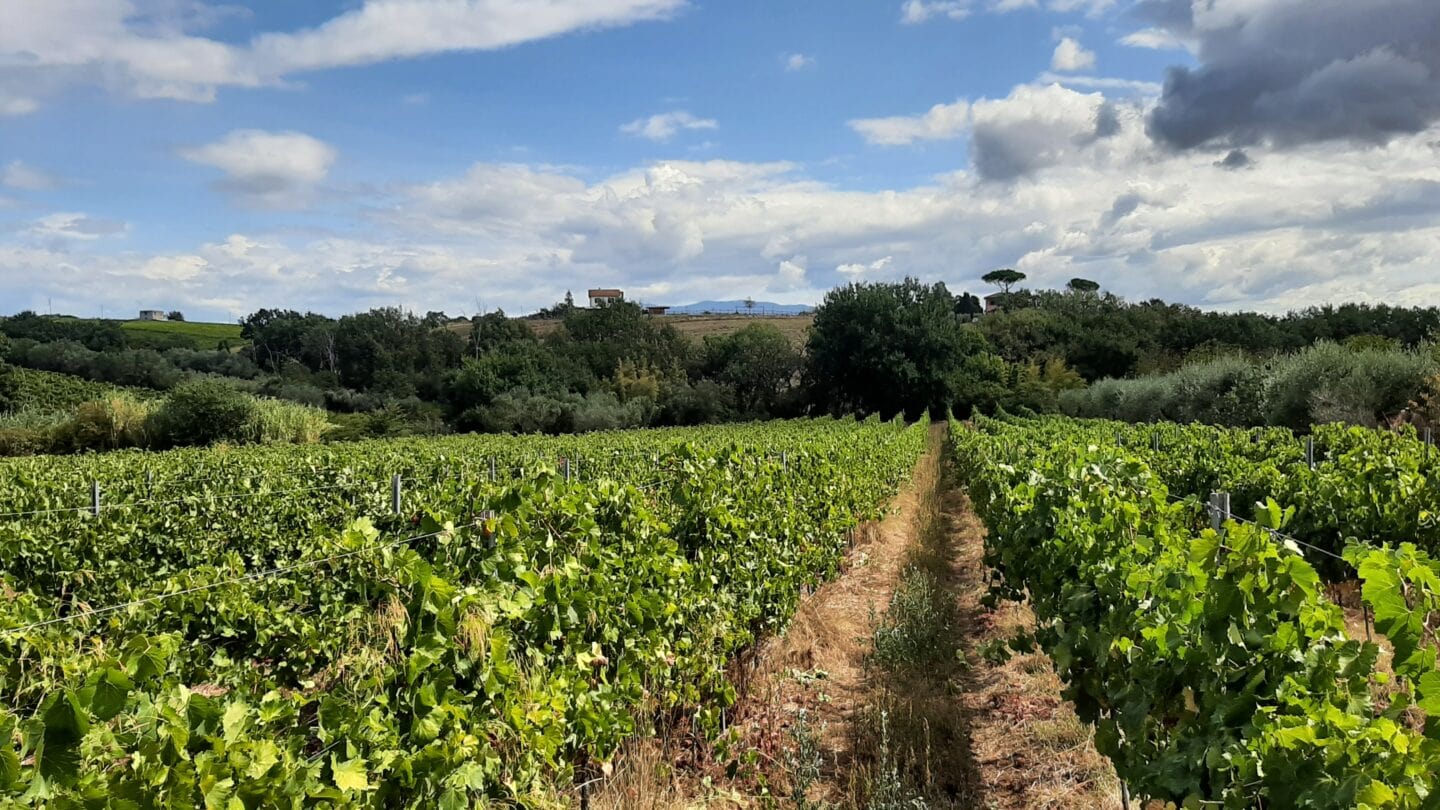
468 155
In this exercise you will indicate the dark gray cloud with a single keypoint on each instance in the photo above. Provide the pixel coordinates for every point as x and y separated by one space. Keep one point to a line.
1107 121
1286 72
1125 205
1236 159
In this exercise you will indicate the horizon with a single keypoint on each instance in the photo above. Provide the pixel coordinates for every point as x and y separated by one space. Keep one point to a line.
440 154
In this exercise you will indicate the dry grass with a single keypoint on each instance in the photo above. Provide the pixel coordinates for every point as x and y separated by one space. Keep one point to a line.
1030 750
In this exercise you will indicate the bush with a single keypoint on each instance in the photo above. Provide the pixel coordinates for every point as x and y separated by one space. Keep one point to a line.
111 423
205 412
1362 384
28 432
1329 382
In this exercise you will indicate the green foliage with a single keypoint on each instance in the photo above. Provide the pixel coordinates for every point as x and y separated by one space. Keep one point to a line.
600 339
1102 335
897 348
114 422
915 628
273 421
176 332
205 412
23 389
1323 383
758 363
1212 664
481 662
1004 278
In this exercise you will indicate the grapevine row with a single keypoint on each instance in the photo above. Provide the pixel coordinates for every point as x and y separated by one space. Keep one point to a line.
487 649
1212 665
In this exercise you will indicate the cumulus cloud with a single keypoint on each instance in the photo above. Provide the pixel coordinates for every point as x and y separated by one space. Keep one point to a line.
856 272
267 169
1287 72
1062 183
1038 126
789 277
664 126
151 49
798 61
1070 55
941 122
21 175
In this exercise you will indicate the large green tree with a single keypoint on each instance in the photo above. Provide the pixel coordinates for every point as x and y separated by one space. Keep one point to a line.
758 363
891 348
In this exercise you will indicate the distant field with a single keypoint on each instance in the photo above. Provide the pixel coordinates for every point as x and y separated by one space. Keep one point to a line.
698 327
163 334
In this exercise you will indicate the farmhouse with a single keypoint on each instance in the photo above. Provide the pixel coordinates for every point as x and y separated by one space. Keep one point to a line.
599 298
152 314
993 302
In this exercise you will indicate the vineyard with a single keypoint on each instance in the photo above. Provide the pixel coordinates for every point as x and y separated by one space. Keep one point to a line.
420 623
1208 648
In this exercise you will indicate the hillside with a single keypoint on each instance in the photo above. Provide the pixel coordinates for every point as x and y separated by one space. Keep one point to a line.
169 334
24 389
699 327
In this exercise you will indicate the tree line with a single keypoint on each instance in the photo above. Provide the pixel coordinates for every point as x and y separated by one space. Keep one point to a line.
885 348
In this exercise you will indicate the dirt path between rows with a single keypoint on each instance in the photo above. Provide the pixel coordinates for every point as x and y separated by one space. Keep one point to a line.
822 724
1031 751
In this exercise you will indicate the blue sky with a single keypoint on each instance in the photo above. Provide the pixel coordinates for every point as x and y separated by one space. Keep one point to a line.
468 154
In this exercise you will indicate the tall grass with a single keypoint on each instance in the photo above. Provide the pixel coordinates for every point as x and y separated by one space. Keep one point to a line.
278 422
116 421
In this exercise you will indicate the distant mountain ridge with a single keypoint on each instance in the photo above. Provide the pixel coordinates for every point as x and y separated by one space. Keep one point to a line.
738 307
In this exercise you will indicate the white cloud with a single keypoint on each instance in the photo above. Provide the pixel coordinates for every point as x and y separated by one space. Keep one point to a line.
1155 39
268 169
855 272
798 61
1039 126
664 126
941 122
382 30
17 105
789 277
18 174
173 268
919 11
1125 86
1047 193
147 48
1071 56
66 226
1092 8
914 12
